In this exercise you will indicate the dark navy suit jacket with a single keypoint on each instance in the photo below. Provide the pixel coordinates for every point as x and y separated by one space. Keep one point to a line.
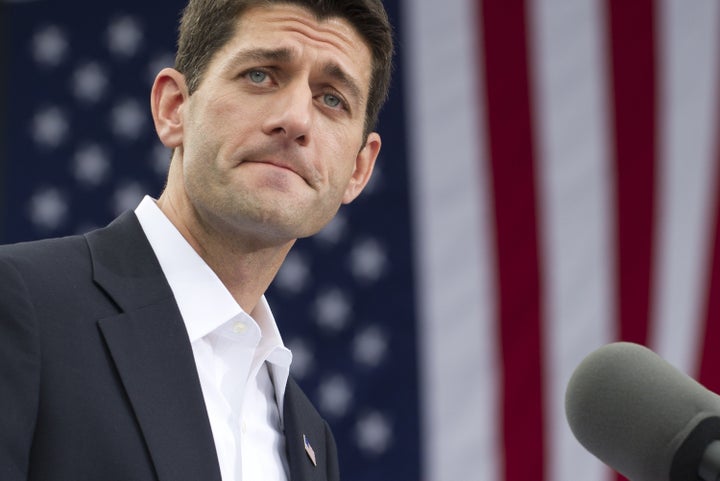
97 376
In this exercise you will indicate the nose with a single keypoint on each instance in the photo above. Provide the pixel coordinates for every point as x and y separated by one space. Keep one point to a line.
290 114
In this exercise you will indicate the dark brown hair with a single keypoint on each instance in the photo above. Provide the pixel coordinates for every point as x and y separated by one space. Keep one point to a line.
207 25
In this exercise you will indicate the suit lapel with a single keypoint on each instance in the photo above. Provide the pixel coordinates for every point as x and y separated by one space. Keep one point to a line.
150 348
302 421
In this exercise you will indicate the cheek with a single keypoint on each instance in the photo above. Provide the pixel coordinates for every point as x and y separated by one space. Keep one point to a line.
346 161
341 176
340 150
218 137
223 116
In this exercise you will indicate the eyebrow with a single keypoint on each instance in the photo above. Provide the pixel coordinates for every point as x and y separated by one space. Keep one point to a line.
261 55
285 55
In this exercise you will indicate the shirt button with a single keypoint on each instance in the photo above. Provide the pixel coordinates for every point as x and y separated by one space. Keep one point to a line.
244 427
239 327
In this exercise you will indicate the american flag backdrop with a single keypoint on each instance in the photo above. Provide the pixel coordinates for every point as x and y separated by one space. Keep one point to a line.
548 184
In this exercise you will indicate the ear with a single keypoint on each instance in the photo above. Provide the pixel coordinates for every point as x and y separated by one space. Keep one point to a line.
364 164
169 93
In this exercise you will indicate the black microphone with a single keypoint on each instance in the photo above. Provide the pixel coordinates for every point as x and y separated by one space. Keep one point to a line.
644 418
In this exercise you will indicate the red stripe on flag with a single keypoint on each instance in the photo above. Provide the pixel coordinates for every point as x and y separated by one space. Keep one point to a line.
632 67
510 141
709 371
632 50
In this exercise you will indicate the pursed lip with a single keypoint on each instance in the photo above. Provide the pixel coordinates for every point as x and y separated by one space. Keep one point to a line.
294 164
282 165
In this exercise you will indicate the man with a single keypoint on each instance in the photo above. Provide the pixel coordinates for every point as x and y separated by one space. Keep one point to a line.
146 350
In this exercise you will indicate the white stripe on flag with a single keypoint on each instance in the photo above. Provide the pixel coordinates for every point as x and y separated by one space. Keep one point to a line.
687 142
575 192
456 302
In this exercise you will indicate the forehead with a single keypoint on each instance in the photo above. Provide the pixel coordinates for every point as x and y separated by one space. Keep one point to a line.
284 26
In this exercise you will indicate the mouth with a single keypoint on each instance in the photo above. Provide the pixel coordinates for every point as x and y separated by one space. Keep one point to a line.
283 159
293 167
279 165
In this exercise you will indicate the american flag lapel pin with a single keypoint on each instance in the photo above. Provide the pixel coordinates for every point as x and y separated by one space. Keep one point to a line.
309 450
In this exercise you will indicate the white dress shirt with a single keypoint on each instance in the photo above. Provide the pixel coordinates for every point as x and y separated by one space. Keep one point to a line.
241 360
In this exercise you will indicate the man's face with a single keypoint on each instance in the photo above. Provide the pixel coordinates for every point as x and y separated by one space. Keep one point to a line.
272 139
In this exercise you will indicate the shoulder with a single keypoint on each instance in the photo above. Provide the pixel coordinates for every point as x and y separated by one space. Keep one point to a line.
43 256
48 268
71 252
32 249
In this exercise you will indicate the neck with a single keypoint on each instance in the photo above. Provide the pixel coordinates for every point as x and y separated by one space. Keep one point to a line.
244 264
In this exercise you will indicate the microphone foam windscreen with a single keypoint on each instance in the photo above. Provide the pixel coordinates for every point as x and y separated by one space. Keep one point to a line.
632 409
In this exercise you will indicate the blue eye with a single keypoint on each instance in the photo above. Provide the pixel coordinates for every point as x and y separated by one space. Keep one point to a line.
257 76
331 100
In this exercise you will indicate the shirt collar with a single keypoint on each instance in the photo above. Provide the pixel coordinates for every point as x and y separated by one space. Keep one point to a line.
190 278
